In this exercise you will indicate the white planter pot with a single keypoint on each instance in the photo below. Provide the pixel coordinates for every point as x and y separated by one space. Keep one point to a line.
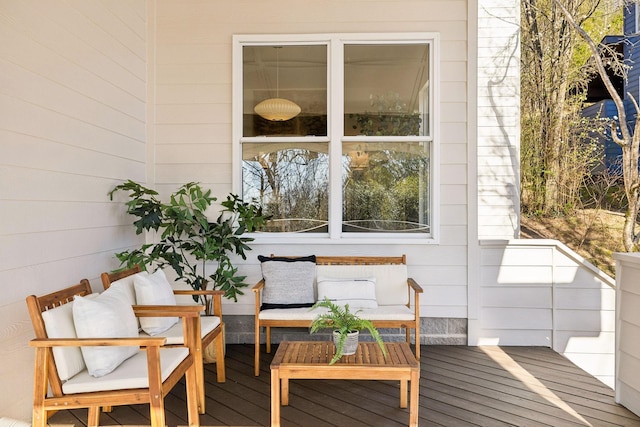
350 344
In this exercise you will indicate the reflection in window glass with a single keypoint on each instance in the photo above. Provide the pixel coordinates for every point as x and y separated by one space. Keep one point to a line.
295 73
386 89
386 187
291 182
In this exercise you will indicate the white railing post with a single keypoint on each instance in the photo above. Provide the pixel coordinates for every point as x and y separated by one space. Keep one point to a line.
627 349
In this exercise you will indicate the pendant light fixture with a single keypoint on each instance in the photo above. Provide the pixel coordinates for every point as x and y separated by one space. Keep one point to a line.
277 109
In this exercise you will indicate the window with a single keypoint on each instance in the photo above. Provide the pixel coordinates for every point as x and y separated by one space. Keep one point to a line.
335 136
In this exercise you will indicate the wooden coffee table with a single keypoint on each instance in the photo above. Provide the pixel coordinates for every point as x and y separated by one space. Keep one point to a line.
310 360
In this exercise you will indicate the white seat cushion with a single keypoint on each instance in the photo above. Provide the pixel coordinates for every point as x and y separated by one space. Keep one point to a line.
132 373
155 289
58 322
303 313
174 334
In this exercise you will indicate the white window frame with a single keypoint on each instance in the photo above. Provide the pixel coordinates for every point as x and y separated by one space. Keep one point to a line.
335 129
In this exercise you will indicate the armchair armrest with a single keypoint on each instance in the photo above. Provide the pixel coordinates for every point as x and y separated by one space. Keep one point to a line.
168 310
80 342
217 297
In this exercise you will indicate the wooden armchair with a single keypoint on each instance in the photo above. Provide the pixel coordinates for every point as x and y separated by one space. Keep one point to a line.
210 330
146 377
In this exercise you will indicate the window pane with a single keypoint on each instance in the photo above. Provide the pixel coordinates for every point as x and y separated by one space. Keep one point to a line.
297 74
386 89
291 182
386 187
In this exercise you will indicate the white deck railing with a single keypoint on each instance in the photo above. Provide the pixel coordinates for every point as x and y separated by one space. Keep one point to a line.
540 292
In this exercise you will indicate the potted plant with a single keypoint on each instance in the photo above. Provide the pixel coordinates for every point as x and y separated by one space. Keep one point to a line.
188 239
346 327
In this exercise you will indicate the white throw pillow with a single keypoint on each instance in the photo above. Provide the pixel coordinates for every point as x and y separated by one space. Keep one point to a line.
127 283
109 315
58 322
391 280
154 289
358 293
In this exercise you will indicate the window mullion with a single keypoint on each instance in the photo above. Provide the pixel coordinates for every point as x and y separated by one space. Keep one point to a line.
336 127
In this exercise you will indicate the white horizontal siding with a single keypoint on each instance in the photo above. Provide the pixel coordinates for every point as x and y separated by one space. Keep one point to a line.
72 125
498 118
538 292
193 116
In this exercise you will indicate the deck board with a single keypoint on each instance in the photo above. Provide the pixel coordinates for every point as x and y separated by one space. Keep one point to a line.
459 386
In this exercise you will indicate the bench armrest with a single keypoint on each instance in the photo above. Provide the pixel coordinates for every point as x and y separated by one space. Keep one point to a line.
258 286
414 285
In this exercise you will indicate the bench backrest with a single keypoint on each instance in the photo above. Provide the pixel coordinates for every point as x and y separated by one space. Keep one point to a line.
390 273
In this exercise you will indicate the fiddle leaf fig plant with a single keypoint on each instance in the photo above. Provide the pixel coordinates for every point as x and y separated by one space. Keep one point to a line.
188 240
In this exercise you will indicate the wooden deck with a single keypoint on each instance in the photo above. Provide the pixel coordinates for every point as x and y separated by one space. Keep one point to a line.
459 386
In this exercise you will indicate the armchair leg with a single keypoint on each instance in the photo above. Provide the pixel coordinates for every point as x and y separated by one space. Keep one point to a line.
94 416
256 360
220 369
199 381
192 397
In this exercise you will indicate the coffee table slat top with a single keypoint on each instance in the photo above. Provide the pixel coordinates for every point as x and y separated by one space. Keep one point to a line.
316 353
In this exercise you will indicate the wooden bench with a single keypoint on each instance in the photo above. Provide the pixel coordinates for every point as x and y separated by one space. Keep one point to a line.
398 298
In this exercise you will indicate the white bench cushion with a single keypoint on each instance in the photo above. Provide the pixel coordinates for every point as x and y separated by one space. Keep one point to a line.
132 373
358 293
386 312
391 280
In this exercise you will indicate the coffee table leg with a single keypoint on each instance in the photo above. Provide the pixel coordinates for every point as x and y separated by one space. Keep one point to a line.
275 397
403 393
284 393
415 392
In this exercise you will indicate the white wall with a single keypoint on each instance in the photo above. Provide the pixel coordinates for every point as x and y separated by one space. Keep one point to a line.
498 116
539 292
72 124
94 92
193 112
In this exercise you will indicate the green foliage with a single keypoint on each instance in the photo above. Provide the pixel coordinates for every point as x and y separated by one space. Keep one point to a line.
390 117
341 319
188 240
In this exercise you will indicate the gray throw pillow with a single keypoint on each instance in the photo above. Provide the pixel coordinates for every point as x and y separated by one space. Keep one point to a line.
288 282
